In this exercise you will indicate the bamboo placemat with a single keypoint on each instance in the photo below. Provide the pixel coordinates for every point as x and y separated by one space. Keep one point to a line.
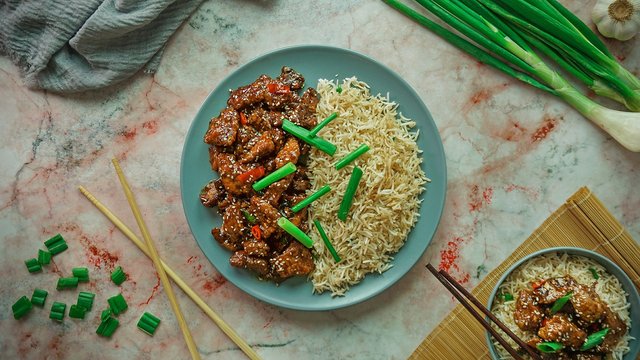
582 221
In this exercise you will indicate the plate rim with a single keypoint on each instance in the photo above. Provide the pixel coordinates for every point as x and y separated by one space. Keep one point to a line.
439 149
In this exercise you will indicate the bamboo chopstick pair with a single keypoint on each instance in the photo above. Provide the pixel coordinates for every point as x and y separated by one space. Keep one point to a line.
163 269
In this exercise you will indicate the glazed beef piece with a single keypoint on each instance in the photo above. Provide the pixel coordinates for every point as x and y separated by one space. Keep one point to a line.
559 328
528 315
289 153
296 260
290 77
267 216
274 93
553 289
588 306
223 129
229 169
617 329
240 259
262 147
304 112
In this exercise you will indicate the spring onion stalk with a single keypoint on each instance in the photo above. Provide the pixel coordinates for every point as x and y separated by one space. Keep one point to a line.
326 241
148 323
294 231
349 194
549 347
117 304
56 244
322 124
559 304
287 169
118 276
107 327
85 299
57 311
33 265
304 135
21 307
594 339
77 311
352 156
515 26
39 296
44 257
82 273
311 198
67 283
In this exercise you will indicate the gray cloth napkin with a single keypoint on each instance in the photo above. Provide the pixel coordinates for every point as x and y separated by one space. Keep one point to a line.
76 45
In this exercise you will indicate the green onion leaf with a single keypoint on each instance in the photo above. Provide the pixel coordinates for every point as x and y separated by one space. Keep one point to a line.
594 339
77 312
57 311
327 243
56 244
303 134
21 307
250 218
44 257
33 265
118 276
148 323
82 273
322 124
347 200
117 304
294 231
39 296
549 347
311 198
105 314
287 169
594 273
559 304
352 156
85 299
67 283
108 327
339 89
507 297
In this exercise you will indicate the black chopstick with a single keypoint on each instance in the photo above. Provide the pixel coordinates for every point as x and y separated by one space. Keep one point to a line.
460 293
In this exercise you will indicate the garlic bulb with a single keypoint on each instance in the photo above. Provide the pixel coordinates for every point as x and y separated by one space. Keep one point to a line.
618 19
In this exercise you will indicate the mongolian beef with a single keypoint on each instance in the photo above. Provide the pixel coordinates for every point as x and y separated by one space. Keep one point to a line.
246 143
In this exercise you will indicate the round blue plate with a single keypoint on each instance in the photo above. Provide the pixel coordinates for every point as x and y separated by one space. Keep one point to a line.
313 62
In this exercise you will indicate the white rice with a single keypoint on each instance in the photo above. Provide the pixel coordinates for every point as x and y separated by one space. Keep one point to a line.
553 265
386 204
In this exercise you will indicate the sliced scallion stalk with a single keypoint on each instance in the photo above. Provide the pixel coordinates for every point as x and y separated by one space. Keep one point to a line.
352 156
549 347
294 231
33 265
148 323
347 200
303 134
67 283
287 169
44 257
559 304
594 339
57 311
21 307
77 312
326 241
311 198
85 299
117 304
56 244
118 276
39 296
82 273
313 132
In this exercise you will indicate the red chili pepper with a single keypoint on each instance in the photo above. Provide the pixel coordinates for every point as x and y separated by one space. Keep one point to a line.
275 88
272 87
256 232
253 174
537 284
243 118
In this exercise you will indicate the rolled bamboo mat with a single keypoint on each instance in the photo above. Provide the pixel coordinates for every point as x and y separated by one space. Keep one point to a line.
582 221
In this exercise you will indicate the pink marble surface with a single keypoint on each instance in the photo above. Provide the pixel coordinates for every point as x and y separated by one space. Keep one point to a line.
514 155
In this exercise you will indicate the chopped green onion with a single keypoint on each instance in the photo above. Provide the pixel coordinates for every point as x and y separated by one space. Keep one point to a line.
594 339
56 244
311 198
148 323
117 304
339 89
303 134
322 124
38 297
347 200
352 156
21 307
549 347
67 283
85 299
294 231
287 169
57 311
77 311
107 327
105 314
327 243
250 218
558 304
33 265
82 273
594 273
44 257
118 276
507 297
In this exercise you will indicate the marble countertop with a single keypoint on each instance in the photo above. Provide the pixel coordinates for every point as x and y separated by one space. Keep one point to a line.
514 154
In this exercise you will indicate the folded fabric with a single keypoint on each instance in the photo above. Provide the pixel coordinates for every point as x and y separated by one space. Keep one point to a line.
77 45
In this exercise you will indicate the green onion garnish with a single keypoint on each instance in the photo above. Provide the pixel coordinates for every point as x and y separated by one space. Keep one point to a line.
327 243
287 169
38 297
322 124
107 327
21 307
85 299
294 231
57 311
82 273
347 200
594 273
558 304
105 314
303 134
67 283
549 347
339 89
77 311
117 304
594 339
44 257
311 198
148 323
250 218
507 297
352 156
33 265
118 276
56 244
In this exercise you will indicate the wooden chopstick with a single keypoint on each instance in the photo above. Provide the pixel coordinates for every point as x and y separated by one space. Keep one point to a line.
456 290
156 262
228 330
